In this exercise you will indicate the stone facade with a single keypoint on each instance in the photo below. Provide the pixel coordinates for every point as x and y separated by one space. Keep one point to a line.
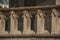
46 23
39 24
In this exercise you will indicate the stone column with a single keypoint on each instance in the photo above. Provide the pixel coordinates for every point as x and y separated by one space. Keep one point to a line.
55 27
40 23
2 24
27 23
14 23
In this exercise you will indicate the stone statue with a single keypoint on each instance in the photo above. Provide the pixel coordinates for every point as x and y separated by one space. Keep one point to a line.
2 24
55 26
27 23
14 23
40 23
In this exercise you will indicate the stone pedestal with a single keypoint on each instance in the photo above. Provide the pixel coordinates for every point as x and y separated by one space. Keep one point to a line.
2 24
14 24
27 23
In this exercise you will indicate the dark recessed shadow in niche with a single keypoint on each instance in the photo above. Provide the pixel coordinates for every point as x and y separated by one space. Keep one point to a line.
48 20
20 24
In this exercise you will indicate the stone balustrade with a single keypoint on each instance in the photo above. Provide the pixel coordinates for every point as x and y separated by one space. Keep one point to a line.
35 20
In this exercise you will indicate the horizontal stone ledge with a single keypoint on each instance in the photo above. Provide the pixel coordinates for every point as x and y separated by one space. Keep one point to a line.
30 8
29 36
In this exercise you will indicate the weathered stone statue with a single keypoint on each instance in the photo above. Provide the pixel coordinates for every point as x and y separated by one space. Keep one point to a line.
2 24
40 23
14 23
27 23
55 25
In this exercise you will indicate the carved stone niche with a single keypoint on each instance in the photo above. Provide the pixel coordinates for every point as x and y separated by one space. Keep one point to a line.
2 24
14 23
